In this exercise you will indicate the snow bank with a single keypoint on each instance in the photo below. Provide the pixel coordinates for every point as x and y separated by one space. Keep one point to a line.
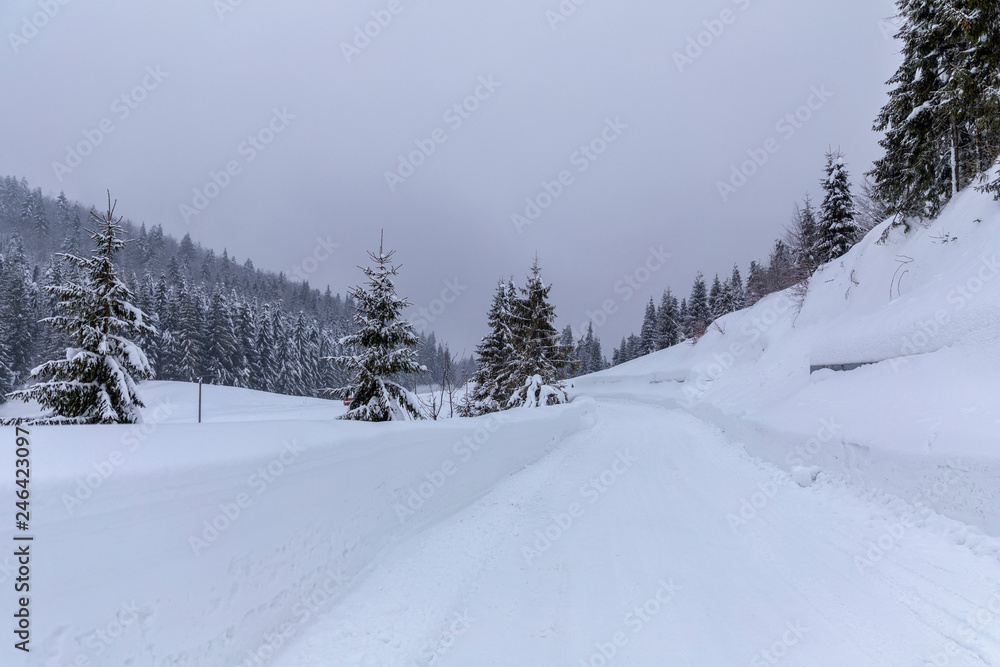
250 528
921 418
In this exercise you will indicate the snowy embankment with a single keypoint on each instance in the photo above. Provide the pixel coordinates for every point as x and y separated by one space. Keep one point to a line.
176 543
921 418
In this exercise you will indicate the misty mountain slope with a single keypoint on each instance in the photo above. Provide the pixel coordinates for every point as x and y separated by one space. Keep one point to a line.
920 422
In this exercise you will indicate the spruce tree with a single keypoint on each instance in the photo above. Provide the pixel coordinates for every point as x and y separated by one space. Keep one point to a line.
668 322
757 287
837 231
538 356
489 392
941 121
699 314
385 345
96 381
648 332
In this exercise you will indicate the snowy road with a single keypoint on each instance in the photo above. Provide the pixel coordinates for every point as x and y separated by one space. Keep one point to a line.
625 546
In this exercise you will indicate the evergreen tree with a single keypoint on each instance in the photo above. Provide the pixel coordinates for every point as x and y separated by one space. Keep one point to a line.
668 322
18 308
941 120
757 287
837 230
385 343
648 332
684 317
573 362
715 298
537 356
96 382
221 342
699 313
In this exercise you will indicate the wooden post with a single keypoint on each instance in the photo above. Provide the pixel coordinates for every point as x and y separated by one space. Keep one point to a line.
199 400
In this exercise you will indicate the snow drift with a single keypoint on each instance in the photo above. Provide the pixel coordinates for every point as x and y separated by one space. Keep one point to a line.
916 319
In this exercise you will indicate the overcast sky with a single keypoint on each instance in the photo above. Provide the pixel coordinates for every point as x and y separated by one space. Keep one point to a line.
309 118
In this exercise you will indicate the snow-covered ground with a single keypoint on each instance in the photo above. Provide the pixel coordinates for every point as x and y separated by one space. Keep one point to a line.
715 504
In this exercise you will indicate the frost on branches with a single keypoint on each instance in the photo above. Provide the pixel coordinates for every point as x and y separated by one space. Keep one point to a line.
386 345
96 382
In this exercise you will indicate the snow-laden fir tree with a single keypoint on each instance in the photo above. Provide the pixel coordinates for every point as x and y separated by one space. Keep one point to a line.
385 348
942 120
648 332
588 351
491 388
699 313
537 357
573 361
837 230
96 381
668 322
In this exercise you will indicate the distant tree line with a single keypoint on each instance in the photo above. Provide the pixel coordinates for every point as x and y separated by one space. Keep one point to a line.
813 238
216 319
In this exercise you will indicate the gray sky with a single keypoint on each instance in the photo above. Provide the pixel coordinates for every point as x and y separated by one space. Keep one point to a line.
201 78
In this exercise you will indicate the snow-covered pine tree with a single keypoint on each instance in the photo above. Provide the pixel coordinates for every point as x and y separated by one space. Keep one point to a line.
385 345
18 311
684 320
668 319
96 382
837 231
802 237
538 356
781 272
699 314
574 362
737 294
756 284
941 120
490 387
715 298
648 332
221 343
